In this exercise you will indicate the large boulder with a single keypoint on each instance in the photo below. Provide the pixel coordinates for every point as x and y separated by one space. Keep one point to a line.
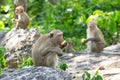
2 34
18 44
35 73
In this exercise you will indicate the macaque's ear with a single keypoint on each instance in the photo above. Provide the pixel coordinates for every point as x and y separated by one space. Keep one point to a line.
51 35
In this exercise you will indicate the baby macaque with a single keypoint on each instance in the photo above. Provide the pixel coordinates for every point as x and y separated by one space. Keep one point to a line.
23 19
47 49
95 38
69 48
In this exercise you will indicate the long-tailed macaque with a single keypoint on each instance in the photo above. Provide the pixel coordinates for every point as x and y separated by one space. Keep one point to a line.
23 19
69 48
95 39
47 49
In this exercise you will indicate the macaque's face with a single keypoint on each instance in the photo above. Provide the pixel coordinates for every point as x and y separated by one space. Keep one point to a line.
60 37
91 25
19 10
61 41
57 37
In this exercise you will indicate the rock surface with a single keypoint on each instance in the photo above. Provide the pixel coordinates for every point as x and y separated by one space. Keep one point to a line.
35 73
18 44
108 65
2 34
113 49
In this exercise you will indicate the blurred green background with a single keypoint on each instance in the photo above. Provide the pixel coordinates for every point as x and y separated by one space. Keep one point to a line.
70 16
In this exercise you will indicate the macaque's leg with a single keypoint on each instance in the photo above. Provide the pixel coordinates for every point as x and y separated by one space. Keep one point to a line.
91 46
100 47
51 59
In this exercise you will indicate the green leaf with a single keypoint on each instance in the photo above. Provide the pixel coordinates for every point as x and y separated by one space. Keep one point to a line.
1 25
117 16
97 12
99 77
96 76
112 26
86 76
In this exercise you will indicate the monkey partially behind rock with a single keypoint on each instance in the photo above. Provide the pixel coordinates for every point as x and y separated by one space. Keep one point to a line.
47 49
69 48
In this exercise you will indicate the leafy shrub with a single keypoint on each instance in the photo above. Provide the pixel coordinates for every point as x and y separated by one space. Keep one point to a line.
2 60
62 66
6 14
87 76
26 62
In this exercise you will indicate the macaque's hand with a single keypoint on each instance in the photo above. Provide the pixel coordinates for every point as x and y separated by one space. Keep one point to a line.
13 20
63 44
83 40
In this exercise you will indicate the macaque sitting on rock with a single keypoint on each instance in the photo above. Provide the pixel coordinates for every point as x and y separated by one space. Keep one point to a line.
47 49
23 19
95 38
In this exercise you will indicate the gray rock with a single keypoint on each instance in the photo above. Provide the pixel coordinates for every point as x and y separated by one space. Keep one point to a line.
35 73
113 49
2 34
18 44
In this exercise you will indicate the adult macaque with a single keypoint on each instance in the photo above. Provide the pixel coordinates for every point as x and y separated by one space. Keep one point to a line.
69 48
23 19
47 49
95 39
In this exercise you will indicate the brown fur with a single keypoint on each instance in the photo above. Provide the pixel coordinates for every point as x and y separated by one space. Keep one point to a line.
46 49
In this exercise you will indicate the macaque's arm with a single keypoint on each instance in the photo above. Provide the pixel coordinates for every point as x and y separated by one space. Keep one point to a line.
91 39
19 20
54 50
13 20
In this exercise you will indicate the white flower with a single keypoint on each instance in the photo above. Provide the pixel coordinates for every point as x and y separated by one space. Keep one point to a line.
69 10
